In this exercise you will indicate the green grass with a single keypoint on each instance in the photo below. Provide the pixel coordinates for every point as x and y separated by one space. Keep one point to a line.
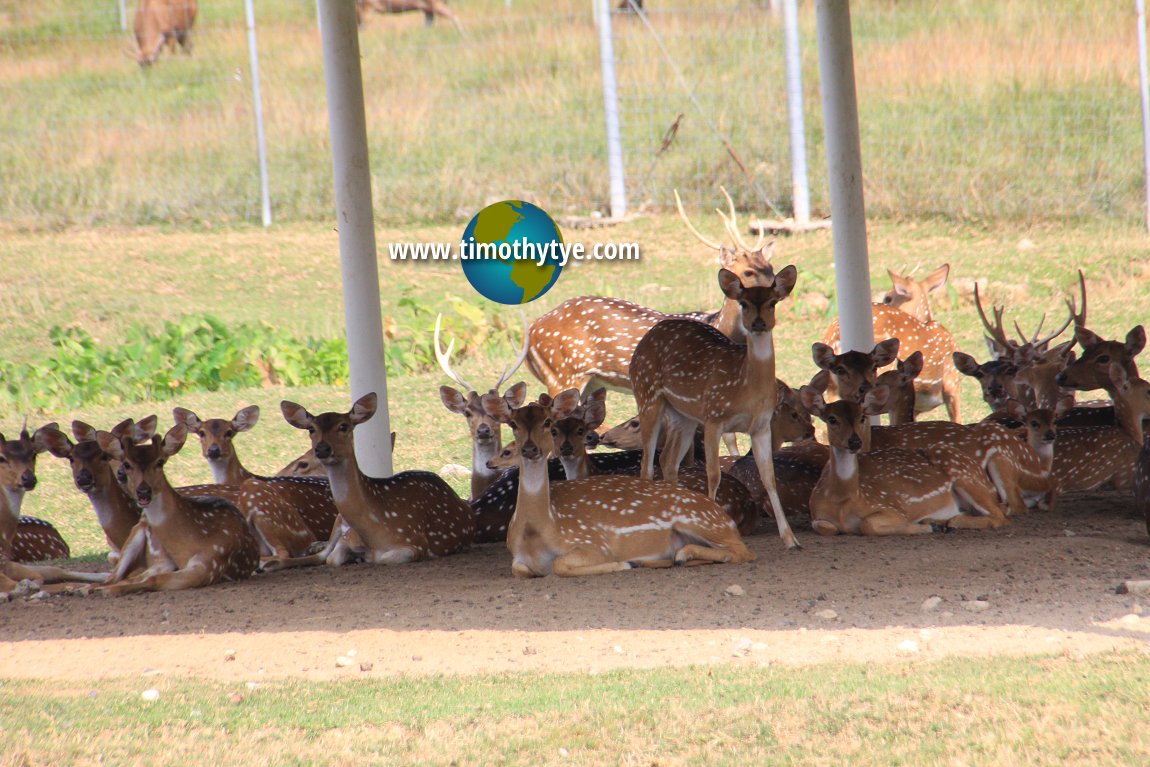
1039 711
972 111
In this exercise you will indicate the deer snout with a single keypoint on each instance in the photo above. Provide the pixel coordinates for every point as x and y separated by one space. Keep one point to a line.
530 451
759 326
483 433
323 451
144 494
854 444
28 480
1049 436
84 480
592 440
566 449
213 452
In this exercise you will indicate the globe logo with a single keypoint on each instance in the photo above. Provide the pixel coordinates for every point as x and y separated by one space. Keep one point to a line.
511 252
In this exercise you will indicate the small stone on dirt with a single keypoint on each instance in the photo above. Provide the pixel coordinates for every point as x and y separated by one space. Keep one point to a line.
1134 587
735 590
150 695
976 605
931 603
343 661
908 647
827 615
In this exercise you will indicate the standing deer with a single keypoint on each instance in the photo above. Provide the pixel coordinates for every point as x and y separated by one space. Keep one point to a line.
408 517
604 523
181 541
938 383
286 514
163 21
695 375
429 8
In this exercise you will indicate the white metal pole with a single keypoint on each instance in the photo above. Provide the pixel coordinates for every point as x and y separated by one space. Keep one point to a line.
799 183
123 15
261 142
1141 6
344 85
844 171
611 111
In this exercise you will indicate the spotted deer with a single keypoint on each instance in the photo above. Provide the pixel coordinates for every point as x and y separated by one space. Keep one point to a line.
938 383
181 541
1091 457
996 378
17 477
913 296
407 517
95 476
602 524
1142 482
1021 469
486 435
899 380
588 342
854 373
694 375
894 491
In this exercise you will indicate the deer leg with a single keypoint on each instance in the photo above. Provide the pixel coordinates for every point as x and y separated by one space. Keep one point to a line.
711 436
694 553
973 522
650 423
765 462
892 523
731 442
193 576
950 396
586 562
132 555
983 500
397 556
680 433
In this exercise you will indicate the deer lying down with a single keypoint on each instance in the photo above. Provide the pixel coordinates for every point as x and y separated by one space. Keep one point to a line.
602 524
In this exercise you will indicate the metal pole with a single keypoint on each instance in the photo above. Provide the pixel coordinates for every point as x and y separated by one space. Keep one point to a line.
344 85
261 142
123 15
844 171
1141 6
611 111
801 189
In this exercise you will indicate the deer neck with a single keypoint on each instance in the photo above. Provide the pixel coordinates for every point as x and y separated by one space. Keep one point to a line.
729 322
228 471
112 507
10 502
576 466
164 506
1128 418
903 411
844 471
481 476
759 364
533 502
348 483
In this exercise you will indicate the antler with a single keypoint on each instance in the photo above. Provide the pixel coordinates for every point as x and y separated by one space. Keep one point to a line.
1078 317
997 334
708 242
1040 344
732 225
510 371
444 358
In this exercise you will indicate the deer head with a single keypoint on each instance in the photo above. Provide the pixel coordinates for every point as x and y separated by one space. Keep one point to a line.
913 296
854 372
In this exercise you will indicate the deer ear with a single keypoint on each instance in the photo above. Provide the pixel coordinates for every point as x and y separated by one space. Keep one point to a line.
453 400
876 400
516 395
1135 340
56 441
823 355
83 432
144 429
821 381
364 408
110 444
174 439
726 257
246 418
1087 338
40 438
122 428
1016 410
785 281
295 414
594 414
1065 402
936 279
885 352
912 365
186 417
730 285
812 400
1118 375
599 395
564 403
496 407
965 363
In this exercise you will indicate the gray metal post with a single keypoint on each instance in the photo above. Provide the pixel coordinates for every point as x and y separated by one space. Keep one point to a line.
800 187
344 85
844 171
611 111
261 142
123 15
1141 7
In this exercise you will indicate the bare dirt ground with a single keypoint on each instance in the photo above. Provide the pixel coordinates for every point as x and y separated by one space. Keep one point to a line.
1044 584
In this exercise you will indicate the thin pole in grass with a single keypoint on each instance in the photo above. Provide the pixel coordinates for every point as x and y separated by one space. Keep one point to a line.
261 141
801 206
1141 6
611 111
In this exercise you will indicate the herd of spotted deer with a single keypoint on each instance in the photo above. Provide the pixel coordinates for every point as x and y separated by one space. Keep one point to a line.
667 497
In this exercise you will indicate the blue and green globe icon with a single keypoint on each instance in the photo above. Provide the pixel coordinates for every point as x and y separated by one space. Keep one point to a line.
511 252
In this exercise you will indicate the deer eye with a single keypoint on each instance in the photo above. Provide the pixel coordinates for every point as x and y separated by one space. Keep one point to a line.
200 433
343 427
840 371
229 434
311 430
1104 359
832 421
554 432
743 304
3 459
126 466
547 423
160 462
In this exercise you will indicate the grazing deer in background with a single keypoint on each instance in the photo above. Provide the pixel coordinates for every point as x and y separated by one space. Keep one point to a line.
938 383
287 514
429 8
894 491
695 375
163 21
95 476
181 541
606 523
486 436
407 517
